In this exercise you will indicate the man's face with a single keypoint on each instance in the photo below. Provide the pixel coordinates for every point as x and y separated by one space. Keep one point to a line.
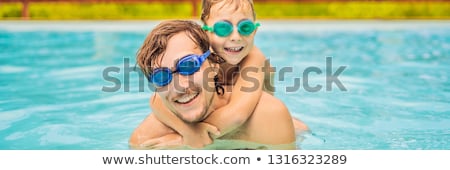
186 96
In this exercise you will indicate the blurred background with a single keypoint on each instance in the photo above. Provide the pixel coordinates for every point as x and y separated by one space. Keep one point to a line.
186 9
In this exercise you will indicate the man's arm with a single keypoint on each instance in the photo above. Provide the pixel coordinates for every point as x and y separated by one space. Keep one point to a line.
244 97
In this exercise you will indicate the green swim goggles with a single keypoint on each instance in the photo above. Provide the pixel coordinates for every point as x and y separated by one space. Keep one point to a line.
225 28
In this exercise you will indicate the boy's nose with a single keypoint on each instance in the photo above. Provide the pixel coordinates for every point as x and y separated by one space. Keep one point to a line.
235 36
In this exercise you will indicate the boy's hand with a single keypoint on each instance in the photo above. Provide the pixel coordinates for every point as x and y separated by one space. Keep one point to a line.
199 135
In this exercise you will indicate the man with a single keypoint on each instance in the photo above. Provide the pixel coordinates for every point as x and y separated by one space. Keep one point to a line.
176 56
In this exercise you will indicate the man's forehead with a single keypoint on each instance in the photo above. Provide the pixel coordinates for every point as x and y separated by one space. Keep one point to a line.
169 59
177 47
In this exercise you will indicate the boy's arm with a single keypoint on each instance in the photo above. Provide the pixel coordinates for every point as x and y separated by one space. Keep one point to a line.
244 97
195 135
169 141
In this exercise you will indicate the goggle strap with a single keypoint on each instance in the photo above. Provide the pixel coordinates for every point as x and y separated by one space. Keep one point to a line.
207 28
204 56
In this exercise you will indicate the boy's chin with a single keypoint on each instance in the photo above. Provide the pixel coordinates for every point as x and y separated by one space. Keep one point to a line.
234 60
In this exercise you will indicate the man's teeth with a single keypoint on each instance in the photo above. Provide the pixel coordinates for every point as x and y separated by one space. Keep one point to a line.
186 98
234 49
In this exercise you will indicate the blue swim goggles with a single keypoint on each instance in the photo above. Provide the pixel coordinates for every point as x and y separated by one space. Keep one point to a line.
187 65
225 28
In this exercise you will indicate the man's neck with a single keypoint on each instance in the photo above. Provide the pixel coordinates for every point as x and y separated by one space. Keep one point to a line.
219 101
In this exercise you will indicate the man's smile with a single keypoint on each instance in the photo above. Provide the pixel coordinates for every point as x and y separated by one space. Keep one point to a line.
186 98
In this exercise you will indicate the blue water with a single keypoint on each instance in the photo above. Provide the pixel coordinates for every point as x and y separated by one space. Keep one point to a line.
396 76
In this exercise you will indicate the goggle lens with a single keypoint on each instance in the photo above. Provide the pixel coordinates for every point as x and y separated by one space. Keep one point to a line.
246 27
187 65
161 77
223 28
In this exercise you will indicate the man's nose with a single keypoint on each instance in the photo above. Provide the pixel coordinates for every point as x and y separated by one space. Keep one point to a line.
181 83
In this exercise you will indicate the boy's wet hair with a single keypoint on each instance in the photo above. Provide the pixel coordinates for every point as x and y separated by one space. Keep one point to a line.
155 44
238 4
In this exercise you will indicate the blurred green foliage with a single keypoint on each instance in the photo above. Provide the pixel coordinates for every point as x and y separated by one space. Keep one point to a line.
65 11
355 10
332 10
10 10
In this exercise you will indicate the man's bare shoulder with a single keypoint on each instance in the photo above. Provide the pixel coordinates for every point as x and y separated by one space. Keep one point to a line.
271 122
272 105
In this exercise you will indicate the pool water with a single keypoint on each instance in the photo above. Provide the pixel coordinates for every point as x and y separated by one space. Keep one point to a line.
396 80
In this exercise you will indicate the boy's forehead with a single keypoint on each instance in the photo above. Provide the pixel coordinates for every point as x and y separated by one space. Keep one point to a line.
225 9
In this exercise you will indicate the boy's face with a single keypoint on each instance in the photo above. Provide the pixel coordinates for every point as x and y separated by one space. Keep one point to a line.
186 96
234 47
